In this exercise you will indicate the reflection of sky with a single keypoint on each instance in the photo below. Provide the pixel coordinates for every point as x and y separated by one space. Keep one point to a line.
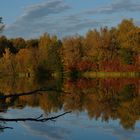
68 127
52 132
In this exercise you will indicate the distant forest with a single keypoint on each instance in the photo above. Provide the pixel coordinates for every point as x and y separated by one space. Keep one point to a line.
107 49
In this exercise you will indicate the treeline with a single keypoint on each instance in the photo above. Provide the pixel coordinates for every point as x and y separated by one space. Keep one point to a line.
106 49
115 49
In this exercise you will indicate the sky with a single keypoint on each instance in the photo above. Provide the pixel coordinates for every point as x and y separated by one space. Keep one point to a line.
32 18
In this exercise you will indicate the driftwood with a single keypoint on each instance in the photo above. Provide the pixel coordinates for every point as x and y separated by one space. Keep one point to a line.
38 119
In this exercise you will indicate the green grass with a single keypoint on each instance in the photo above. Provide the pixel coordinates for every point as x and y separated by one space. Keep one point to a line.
92 74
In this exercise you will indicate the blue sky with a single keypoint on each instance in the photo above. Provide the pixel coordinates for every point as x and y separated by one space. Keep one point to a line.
32 18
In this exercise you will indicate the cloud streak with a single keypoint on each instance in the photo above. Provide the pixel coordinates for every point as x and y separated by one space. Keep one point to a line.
35 16
39 11
120 6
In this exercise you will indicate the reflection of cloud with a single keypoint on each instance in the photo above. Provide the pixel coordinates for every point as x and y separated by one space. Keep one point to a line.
48 130
116 131
122 133
70 126
120 6
111 128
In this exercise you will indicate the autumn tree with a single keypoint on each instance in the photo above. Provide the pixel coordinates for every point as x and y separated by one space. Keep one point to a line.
92 44
18 43
72 52
32 43
49 54
109 46
24 61
128 37
7 62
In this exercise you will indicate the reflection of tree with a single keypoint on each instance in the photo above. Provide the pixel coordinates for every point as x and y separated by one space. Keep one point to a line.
101 98
41 97
106 100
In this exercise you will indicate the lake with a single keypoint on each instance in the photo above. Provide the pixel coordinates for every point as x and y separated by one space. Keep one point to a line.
101 108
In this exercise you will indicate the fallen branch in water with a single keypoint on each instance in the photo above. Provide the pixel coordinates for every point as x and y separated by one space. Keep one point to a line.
38 119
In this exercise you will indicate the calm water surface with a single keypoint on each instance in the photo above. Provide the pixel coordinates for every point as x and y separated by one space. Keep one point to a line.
101 109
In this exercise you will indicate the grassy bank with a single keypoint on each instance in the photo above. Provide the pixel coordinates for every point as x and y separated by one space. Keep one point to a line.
92 74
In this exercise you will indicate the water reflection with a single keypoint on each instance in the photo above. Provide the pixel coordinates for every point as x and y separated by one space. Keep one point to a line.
105 99
48 130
